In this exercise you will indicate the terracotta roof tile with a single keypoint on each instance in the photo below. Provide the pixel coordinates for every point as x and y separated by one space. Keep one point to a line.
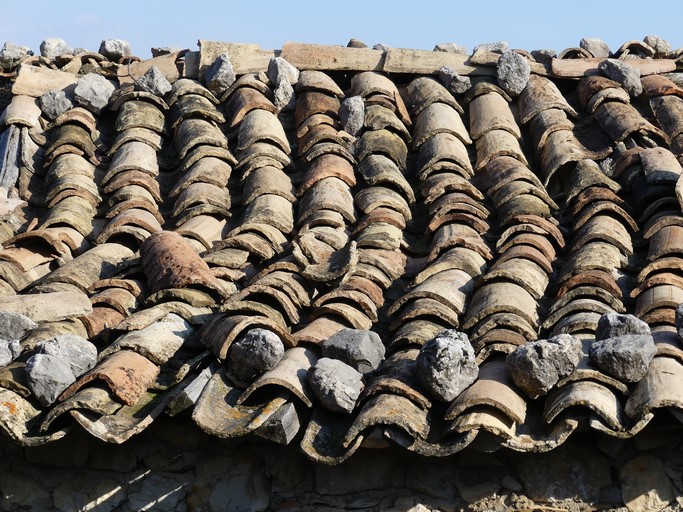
164 229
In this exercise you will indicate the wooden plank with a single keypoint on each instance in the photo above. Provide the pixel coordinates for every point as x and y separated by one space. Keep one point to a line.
577 68
165 63
34 81
245 58
332 58
48 307
426 62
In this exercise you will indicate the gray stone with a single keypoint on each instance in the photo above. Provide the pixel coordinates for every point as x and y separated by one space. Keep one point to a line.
335 384
158 51
53 47
20 492
228 482
79 353
48 376
433 479
595 46
446 365
361 350
220 75
496 47
93 92
9 351
644 484
115 49
537 366
85 494
54 103
362 473
607 166
283 95
14 326
79 50
454 82
612 325
161 491
12 53
625 357
356 43
280 68
544 55
566 472
660 45
513 72
381 47
619 71
254 353
450 48
352 114
510 483
154 81
679 320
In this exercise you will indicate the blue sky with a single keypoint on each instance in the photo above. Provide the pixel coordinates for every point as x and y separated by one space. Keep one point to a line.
554 24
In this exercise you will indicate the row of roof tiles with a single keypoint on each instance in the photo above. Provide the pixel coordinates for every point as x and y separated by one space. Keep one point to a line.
164 229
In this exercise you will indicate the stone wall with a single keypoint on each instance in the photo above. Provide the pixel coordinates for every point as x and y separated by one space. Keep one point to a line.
175 467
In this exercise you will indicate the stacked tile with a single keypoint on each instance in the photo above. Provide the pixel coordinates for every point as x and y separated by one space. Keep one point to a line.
457 219
504 310
21 144
588 285
652 177
666 101
376 261
262 157
71 199
201 200
326 251
132 177
275 295
439 293
133 381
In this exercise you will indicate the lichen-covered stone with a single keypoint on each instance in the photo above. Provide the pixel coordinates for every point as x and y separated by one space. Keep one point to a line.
454 82
47 376
595 46
14 326
446 365
9 351
154 81
361 350
220 75
53 47
115 49
54 104
661 46
79 353
352 114
335 384
612 325
93 92
12 53
451 48
496 47
513 72
537 366
279 68
625 357
257 351
283 96
619 71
